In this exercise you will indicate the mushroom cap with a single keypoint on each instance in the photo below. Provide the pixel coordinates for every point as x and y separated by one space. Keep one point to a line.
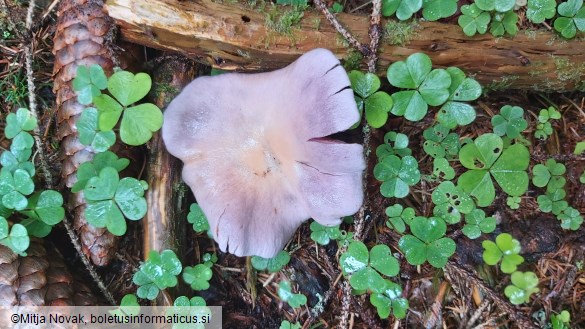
256 151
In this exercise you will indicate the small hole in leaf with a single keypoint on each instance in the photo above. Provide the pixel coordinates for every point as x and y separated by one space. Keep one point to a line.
450 209
477 163
497 150
456 203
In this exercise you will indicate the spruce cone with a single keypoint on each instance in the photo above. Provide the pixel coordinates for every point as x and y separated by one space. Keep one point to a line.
41 278
82 28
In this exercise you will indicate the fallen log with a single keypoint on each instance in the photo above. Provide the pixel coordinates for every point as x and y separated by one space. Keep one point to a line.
242 38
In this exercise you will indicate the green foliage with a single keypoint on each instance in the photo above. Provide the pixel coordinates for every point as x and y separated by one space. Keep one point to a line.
324 234
439 142
436 9
404 9
497 5
476 223
549 175
398 217
442 170
388 299
128 306
287 325
473 20
110 199
572 18
198 276
89 134
138 122
397 175
427 242
193 307
524 284
157 273
365 267
450 202
394 144
273 264
506 249
197 218
337 7
285 293
37 211
579 148
570 219
485 159
561 320
509 122
88 170
292 2
513 202
553 202
462 89
376 104
503 23
89 82
540 10
544 127
425 86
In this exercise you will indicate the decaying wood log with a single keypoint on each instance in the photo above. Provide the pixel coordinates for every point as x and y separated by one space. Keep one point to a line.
235 37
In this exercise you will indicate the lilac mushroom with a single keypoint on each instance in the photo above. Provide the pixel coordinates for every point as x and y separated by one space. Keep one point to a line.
257 155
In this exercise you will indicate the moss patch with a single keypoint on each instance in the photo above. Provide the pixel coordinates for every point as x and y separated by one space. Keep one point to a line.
399 33
284 22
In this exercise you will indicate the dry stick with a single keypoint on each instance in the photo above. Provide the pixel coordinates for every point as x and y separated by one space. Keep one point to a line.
364 50
374 34
42 159
453 269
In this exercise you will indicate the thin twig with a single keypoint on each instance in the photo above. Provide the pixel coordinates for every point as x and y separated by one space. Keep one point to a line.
42 158
364 50
50 9
374 33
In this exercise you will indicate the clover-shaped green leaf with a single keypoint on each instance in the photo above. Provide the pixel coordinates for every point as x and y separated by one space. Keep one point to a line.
436 9
197 218
109 111
365 268
287 325
273 264
503 23
403 8
110 199
477 223
129 88
462 89
524 284
485 159
92 168
377 107
140 122
46 206
442 169
513 202
17 159
473 20
19 122
509 122
388 298
394 144
543 130
570 219
14 187
450 202
189 308
89 134
398 217
17 240
364 84
497 5
324 234
158 272
397 175
439 142
128 306
427 242
426 87
198 276
505 249
549 175
572 18
579 148
539 10
561 320
89 82
553 202
285 293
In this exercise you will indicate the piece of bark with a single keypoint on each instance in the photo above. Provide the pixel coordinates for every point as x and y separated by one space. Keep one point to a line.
40 278
80 39
234 37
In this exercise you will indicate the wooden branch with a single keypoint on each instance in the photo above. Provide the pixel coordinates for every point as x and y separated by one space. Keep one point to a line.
235 37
